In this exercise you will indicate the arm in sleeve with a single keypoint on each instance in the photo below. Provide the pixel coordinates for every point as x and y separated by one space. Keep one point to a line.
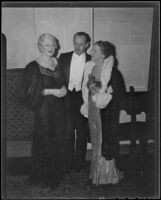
106 73
118 87
31 92
104 97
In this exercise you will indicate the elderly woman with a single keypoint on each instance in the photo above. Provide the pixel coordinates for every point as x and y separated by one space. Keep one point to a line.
42 92
102 88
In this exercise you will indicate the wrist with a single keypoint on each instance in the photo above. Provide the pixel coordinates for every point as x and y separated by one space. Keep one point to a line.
47 92
94 98
56 92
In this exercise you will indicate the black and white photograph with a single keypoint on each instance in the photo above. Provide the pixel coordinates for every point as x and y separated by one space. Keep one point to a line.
80 88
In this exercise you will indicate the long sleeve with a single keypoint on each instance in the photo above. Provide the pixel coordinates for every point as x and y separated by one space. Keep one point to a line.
31 89
104 96
118 87
106 73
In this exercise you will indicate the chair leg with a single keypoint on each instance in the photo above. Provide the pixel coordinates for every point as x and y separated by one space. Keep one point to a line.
133 148
142 155
118 151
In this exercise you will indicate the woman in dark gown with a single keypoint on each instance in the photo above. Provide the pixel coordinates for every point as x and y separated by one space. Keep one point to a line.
42 92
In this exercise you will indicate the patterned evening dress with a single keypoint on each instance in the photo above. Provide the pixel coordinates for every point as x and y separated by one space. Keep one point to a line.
103 168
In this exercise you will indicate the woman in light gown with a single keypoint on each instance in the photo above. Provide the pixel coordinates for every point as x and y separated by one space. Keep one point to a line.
102 90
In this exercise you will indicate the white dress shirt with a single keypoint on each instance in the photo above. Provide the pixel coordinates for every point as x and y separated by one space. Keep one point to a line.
76 71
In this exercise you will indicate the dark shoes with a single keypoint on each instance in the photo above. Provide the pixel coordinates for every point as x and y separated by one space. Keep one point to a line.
78 168
82 167
43 184
32 181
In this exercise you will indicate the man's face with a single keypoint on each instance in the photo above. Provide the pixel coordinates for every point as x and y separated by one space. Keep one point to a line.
80 44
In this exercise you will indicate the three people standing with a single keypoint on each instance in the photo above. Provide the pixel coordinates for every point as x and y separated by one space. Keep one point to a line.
53 90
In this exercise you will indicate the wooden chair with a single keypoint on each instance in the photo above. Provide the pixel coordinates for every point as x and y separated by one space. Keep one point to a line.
135 103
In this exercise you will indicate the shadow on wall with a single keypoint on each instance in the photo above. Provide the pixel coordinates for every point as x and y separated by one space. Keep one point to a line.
3 48
58 49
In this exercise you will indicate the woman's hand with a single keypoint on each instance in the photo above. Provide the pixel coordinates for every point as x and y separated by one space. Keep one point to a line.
56 92
102 99
62 92
109 90
94 98
84 110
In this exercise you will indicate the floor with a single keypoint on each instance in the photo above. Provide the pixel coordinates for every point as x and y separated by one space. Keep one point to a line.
77 186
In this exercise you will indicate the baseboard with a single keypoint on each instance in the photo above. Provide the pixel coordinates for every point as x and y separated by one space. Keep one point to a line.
18 149
23 148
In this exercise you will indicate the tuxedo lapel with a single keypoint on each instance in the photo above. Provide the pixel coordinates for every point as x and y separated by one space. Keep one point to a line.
67 64
88 57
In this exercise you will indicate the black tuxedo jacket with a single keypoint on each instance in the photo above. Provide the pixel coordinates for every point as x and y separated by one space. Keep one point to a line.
65 63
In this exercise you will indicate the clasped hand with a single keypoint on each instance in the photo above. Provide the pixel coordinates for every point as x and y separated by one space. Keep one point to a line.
62 92
56 92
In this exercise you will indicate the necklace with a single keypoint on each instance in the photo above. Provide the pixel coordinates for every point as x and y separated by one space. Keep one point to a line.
50 63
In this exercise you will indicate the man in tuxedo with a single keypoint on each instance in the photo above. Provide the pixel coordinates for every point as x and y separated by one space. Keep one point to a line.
72 67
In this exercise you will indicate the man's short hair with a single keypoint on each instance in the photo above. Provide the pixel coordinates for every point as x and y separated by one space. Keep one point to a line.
88 39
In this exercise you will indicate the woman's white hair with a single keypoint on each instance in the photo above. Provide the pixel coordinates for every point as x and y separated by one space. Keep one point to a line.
42 37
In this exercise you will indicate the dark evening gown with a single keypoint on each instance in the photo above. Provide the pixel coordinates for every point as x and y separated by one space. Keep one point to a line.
48 139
